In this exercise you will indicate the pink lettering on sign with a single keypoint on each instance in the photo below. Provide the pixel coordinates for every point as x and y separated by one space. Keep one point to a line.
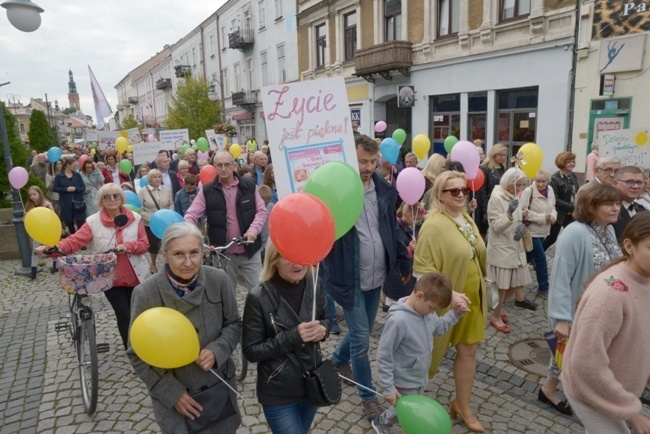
299 106
608 126
336 149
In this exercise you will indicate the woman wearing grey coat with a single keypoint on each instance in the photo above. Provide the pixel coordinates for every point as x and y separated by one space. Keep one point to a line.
93 180
205 296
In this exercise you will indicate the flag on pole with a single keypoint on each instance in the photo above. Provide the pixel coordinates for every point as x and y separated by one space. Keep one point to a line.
102 109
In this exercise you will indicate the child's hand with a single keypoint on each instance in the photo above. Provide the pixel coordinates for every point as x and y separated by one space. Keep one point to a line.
460 303
460 309
392 398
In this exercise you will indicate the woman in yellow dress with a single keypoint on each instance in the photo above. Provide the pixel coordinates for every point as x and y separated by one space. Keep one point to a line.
449 242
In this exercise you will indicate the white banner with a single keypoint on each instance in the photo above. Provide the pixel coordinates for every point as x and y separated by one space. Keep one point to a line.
631 146
212 139
134 135
106 139
174 139
91 137
308 124
146 152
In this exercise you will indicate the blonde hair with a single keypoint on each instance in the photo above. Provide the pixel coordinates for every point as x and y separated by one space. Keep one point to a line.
29 204
271 258
436 206
435 165
109 188
489 160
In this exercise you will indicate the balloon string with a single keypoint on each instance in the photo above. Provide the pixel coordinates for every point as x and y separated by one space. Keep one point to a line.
314 275
361 386
226 383
474 197
415 220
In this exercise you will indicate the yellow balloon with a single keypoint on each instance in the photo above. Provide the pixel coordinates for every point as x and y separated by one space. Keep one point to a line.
129 148
121 144
164 338
421 145
235 150
124 134
532 161
43 225
93 151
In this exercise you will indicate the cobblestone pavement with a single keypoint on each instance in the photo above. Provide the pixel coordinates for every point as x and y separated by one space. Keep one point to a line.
39 385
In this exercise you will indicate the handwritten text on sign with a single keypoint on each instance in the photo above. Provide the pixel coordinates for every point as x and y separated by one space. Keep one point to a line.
631 146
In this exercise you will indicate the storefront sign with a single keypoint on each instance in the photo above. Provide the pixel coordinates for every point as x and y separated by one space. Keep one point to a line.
616 18
608 84
631 146
621 54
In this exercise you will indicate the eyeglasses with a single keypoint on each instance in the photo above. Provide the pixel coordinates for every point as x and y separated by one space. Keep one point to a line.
182 257
632 182
223 165
456 191
114 196
608 171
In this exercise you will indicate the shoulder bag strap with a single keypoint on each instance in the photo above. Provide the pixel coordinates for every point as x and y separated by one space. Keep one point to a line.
153 198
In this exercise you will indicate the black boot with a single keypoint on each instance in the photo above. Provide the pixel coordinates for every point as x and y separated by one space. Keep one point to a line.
33 273
53 269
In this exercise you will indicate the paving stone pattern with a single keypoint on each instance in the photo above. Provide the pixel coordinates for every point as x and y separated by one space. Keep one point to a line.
39 384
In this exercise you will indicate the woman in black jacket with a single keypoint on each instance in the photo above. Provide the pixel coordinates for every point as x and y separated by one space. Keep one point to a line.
281 337
493 167
565 186
70 186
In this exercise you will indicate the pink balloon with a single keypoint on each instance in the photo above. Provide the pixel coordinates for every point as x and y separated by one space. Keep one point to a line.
18 177
410 185
380 127
151 138
465 153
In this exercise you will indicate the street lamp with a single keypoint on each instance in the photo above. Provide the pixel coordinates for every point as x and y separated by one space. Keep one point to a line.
23 14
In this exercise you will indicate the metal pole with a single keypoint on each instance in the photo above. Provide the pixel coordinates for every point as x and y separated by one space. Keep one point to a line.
24 244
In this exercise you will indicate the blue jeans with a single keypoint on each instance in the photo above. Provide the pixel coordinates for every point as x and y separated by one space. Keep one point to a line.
291 418
355 345
331 308
538 256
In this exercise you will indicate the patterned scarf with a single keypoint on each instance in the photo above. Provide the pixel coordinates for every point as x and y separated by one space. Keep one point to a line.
605 245
180 285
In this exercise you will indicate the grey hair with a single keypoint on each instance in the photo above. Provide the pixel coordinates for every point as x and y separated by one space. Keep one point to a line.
511 176
635 170
544 172
183 164
409 155
607 159
178 230
109 188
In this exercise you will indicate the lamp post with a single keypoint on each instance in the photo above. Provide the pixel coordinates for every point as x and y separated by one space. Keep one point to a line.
23 14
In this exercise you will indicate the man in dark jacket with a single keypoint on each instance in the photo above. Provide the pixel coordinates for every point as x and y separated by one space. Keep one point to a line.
234 209
359 264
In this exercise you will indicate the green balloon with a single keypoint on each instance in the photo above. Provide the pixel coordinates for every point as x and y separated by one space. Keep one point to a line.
125 166
419 414
450 142
195 147
399 135
338 185
94 145
202 144
133 208
184 148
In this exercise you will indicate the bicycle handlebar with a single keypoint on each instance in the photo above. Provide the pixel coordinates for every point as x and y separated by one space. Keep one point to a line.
239 241
49 251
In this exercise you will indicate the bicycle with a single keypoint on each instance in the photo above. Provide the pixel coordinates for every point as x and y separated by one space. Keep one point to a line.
215 257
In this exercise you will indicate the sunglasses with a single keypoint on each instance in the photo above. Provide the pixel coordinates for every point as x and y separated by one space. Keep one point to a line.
114 196
456 191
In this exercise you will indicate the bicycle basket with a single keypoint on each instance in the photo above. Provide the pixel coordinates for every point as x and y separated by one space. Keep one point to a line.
87 274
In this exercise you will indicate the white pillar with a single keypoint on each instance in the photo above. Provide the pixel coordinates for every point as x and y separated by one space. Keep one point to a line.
491 119
464 108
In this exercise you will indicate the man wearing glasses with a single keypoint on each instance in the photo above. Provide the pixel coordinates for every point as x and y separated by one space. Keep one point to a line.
234 209
606 168
630 182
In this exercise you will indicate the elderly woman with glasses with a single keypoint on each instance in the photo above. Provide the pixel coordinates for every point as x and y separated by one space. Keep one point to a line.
206 297
130 240
449 242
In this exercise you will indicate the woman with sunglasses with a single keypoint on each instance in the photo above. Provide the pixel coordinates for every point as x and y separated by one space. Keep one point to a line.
507 265
449 242
131 240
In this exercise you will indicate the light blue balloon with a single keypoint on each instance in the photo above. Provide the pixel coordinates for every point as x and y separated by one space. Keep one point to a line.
144 181
132 198
390 149
162 219
53 154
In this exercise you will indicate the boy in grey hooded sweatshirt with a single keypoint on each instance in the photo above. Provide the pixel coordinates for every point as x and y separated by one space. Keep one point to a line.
404 352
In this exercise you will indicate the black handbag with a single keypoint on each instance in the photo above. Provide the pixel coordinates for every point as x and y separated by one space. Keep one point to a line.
78 206
217 403
323 384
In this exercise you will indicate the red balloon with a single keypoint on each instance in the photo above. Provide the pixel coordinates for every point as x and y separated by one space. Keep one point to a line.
302 228
82 160
476 184
208 173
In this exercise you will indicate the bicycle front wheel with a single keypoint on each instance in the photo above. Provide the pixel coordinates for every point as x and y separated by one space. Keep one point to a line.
241 364
88 364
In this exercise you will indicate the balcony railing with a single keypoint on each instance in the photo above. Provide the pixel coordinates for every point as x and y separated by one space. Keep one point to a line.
182 71
241 39
382 58
245 99
164 83
133 100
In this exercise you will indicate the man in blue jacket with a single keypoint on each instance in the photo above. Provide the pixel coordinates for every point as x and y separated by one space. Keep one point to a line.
359 265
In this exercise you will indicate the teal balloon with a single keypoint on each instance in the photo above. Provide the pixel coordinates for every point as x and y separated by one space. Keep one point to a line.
132 198
399 135
53 154
339 186
143 181
202 144
419 414
390 149
450 142
162 219
133 208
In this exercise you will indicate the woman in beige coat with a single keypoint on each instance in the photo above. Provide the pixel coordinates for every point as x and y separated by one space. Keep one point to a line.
155 196
506 257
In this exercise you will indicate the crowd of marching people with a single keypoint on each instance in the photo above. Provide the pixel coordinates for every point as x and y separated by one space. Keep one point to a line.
442 268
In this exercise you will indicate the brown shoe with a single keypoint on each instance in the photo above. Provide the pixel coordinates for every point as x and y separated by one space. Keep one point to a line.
372 409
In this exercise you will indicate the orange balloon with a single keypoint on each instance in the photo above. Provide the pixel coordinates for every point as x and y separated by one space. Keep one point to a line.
207 174
476 183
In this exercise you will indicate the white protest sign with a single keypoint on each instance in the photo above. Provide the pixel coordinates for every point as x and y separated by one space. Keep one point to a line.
174 139
308 125
106 139
134 135
146 152
213 139
91 137
631 146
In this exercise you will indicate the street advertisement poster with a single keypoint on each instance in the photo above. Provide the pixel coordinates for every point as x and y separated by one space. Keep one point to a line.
146 152
134 135
106 139
308 124
631 146
213 140
174 139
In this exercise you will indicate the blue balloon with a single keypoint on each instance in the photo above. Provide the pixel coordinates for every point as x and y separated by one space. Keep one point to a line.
53 154
390 149
132 198
162 219
143 181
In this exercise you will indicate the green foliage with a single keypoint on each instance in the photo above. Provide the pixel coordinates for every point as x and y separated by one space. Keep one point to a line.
40 133
129 122
192 109
69 110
